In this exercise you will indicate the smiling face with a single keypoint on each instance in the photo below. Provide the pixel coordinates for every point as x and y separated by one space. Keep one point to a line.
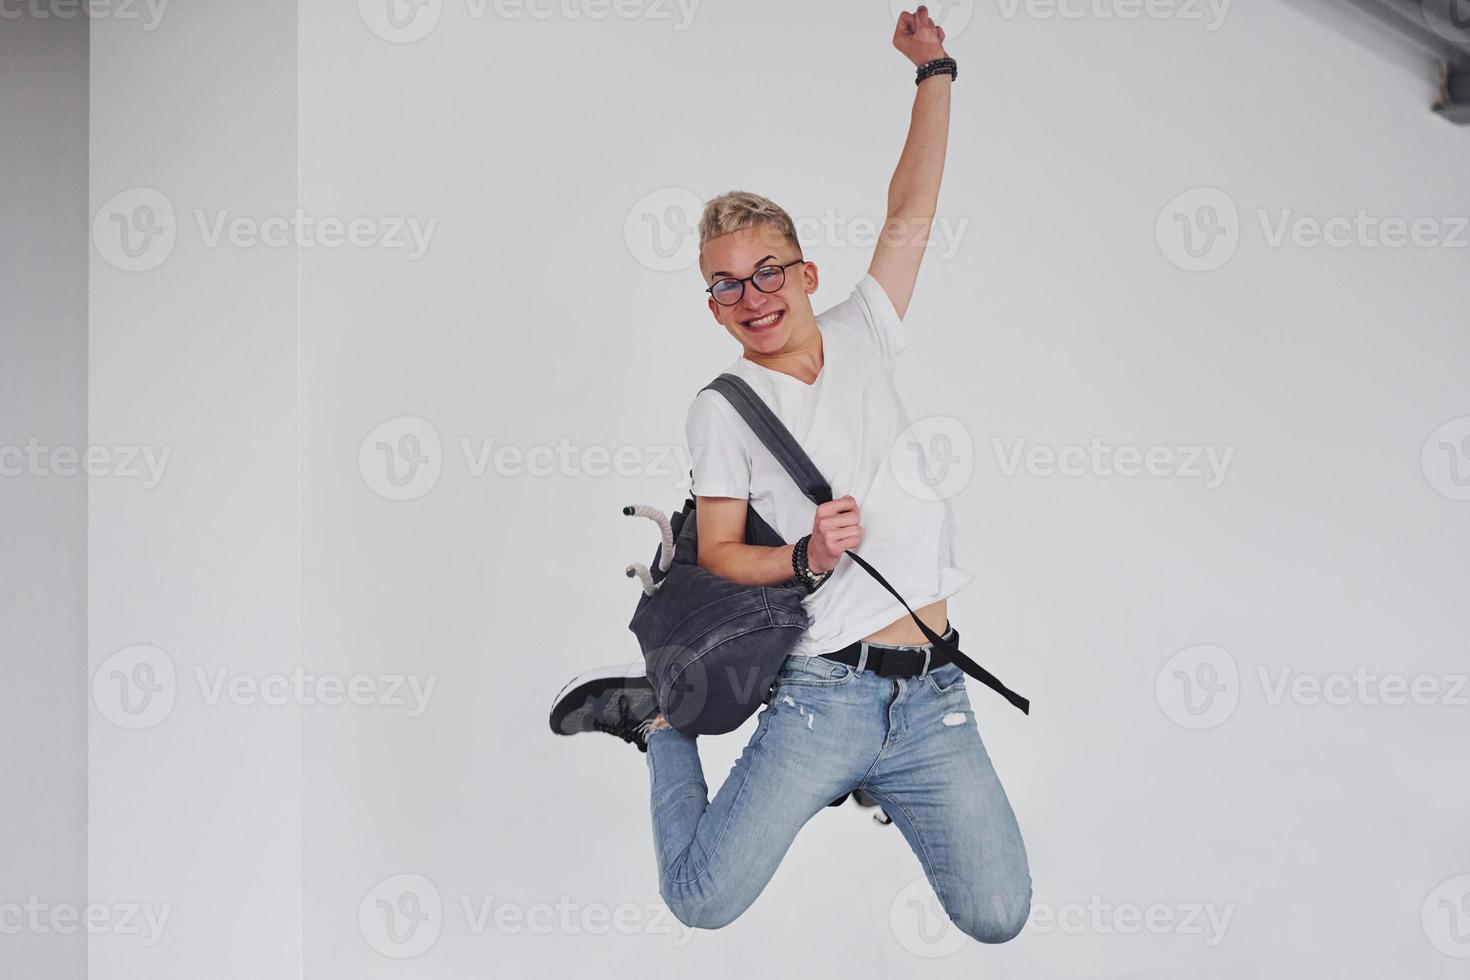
766 324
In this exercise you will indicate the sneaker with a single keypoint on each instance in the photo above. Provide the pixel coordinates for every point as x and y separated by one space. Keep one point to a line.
617 700
862 799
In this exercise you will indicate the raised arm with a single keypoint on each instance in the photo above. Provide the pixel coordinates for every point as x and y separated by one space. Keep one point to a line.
913 194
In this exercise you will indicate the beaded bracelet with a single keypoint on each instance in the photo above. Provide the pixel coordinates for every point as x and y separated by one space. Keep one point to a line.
939 66
804 574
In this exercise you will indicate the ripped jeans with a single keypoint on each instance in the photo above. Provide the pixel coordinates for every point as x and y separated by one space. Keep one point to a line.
913 744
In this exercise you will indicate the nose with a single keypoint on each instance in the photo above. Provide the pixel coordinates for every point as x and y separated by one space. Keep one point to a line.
754 300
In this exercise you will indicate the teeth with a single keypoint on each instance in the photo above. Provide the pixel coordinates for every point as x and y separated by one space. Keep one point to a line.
765 320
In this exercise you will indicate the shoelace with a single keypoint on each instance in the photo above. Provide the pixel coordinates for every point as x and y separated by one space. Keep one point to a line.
624 727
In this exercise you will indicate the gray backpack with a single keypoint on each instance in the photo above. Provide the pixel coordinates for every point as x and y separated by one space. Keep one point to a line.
713 647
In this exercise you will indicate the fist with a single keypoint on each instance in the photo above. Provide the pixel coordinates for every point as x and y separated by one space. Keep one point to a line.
835 528
917 37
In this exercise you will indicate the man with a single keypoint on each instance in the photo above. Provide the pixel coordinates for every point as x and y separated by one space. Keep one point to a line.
832 724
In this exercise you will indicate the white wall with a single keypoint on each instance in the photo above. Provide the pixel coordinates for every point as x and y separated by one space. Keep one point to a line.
525 150
195 793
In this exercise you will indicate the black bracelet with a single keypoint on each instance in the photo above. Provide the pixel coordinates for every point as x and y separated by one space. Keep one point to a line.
798 561
804 573
939 66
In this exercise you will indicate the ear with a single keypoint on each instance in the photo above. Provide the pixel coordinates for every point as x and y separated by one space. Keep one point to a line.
714 309
809 277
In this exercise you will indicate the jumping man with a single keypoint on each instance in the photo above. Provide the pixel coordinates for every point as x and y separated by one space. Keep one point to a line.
906 738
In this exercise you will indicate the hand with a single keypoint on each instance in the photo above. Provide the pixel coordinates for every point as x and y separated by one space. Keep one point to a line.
835 528
918 38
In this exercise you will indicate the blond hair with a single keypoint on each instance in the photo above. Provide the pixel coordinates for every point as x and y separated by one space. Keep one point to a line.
736 210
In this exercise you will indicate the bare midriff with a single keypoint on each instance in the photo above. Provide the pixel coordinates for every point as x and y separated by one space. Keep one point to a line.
905 632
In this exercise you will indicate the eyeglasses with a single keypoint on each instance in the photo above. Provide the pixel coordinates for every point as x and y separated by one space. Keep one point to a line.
768 279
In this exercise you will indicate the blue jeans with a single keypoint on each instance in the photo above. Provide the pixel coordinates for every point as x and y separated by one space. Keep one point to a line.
911 743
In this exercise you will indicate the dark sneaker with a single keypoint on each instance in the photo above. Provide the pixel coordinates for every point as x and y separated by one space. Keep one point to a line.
862 799
617 700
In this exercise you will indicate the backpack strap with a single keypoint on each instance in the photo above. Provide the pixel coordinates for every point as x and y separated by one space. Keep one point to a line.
774 435
966 664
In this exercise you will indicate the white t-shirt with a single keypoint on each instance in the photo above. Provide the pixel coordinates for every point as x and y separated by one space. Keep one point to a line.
852 424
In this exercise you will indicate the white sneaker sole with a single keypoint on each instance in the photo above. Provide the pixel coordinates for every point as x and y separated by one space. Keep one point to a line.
635 669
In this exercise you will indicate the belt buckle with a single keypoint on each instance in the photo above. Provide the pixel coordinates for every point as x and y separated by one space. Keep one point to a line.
895 663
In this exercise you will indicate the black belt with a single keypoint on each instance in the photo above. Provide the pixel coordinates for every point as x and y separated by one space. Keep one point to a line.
889 661
897 662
